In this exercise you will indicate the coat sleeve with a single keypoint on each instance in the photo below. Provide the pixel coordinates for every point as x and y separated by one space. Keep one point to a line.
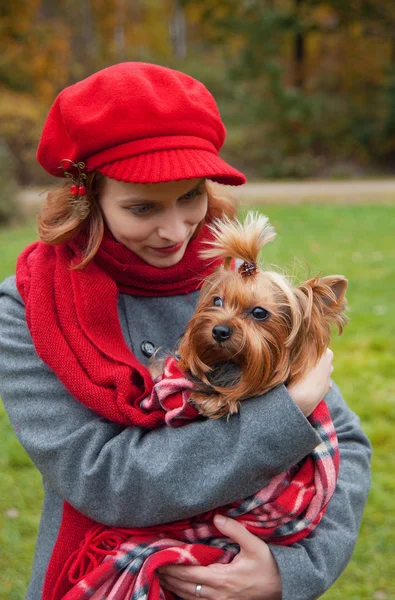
309 567
129 476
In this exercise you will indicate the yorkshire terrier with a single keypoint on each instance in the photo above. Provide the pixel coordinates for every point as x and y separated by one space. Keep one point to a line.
252 329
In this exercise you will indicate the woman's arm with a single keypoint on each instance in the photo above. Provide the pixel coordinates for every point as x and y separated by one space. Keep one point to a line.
130 476
304 571
310 567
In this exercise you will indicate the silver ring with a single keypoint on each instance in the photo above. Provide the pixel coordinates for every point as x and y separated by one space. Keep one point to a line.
198 590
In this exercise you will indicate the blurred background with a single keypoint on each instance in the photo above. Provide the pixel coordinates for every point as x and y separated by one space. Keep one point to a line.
306 88
307 92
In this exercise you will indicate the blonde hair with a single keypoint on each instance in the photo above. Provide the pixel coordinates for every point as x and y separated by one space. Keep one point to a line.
57 223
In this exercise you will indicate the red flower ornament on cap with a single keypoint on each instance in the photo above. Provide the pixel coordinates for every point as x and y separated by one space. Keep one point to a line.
140 123
78 201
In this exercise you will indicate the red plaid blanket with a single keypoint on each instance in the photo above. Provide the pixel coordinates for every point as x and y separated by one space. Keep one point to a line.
121 564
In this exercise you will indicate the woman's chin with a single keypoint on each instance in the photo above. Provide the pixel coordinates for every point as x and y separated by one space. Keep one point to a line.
165 260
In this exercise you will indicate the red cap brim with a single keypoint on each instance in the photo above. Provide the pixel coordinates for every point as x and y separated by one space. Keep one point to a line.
173 165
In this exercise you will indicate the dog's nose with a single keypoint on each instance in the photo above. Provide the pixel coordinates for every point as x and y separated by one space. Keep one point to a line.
221 332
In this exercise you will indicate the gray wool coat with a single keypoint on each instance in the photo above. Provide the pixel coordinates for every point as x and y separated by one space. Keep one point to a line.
134 478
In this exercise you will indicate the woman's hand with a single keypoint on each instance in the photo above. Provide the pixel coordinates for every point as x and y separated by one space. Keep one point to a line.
309 391
252 575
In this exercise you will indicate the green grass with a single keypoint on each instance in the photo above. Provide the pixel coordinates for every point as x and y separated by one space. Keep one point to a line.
357 241
20 483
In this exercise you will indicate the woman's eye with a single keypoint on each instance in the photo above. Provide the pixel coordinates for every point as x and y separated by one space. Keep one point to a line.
218 301
191 195
140 210
260 314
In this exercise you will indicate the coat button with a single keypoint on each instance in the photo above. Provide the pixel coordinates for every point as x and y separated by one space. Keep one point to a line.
147 348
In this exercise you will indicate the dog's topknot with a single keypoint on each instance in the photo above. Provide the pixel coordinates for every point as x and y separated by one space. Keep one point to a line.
233 239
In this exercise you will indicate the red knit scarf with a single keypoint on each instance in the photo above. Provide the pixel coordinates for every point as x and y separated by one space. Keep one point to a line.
73 320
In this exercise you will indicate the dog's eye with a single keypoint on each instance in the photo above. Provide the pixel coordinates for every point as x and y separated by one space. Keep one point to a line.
218 301
260 314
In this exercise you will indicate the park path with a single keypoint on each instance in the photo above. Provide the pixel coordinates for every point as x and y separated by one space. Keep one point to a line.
354 191
295 192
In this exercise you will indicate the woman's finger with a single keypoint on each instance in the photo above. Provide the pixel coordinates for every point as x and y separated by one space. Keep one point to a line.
248 542
186 589
211 575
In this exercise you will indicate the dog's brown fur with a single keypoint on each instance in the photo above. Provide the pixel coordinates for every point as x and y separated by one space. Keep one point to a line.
259 354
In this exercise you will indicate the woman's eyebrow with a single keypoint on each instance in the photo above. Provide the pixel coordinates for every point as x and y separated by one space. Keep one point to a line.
145 200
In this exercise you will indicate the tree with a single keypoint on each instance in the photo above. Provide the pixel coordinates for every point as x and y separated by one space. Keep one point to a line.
299 64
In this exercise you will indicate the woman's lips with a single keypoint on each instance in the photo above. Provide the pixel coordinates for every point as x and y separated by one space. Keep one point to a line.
168 249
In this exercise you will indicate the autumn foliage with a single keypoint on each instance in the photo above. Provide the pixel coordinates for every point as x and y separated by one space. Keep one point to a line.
303 85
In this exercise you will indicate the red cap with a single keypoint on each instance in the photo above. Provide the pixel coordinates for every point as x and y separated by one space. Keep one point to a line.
140 123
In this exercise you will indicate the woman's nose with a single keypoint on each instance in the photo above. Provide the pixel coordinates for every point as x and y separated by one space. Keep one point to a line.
173 229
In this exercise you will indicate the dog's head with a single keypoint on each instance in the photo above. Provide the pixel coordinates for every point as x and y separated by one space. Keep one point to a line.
252 329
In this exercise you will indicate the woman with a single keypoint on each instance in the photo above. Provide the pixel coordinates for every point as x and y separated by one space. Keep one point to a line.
117 277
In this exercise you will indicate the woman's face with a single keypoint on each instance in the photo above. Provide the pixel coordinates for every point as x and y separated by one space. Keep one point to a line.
155 221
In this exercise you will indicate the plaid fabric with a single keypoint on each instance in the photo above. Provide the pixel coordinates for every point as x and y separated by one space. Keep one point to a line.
121 564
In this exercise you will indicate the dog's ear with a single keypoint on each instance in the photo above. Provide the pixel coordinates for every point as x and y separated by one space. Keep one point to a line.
322 303
327 296
330 291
